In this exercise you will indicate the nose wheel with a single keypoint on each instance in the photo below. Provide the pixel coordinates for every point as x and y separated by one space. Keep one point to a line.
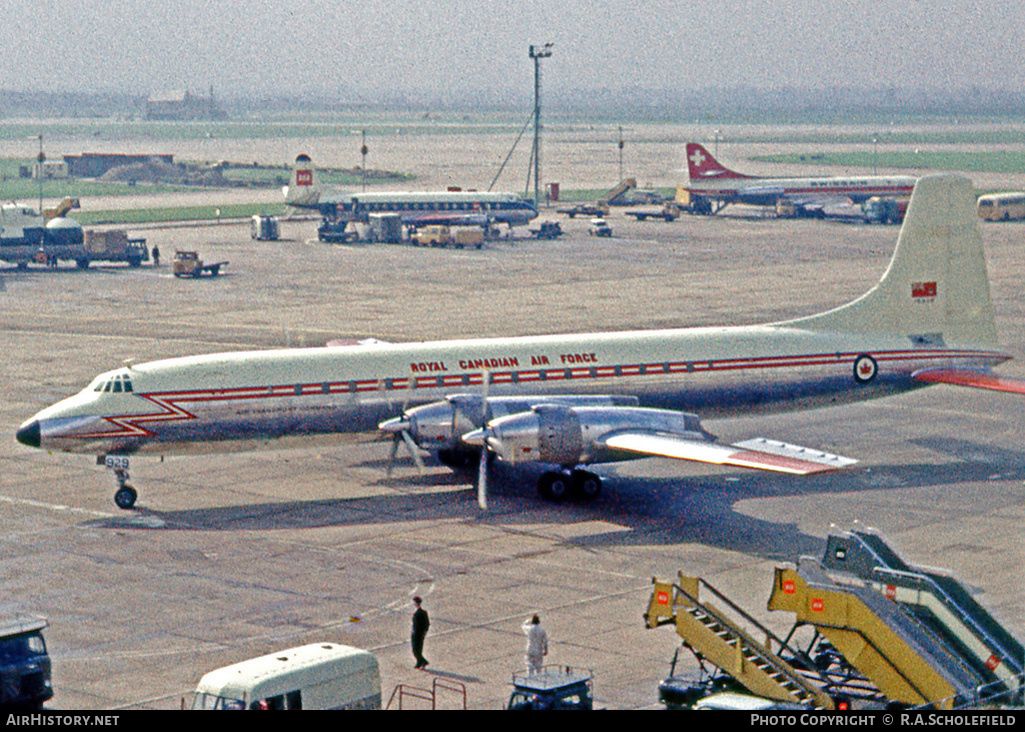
125 496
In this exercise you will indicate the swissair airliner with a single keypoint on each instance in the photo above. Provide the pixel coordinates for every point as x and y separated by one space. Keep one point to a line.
569 401
711 182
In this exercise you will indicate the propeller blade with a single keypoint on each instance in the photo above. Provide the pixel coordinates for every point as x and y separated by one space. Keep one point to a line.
482 479
414 451
399 427
394 451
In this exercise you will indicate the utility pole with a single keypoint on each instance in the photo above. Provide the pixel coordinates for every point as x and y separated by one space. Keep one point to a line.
39 172
363 149
621 155
537 53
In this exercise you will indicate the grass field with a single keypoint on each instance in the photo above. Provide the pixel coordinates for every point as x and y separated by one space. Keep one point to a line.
179 213
911 135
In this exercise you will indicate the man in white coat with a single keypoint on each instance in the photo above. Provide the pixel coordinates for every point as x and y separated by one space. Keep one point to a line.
537 643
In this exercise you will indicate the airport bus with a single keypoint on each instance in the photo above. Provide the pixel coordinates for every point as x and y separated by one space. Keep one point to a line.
1002 206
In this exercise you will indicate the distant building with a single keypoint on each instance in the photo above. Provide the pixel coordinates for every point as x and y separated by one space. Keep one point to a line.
183 106
50 169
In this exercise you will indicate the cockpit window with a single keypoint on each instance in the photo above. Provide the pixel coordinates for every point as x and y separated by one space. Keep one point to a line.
116 383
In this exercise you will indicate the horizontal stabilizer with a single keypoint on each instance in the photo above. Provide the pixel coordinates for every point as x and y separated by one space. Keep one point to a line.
974 379
758 453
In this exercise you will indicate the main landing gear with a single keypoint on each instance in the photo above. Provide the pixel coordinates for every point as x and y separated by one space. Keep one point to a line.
581 485
125 496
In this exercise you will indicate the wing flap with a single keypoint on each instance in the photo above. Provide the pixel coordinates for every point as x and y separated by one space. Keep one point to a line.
973 379
758 453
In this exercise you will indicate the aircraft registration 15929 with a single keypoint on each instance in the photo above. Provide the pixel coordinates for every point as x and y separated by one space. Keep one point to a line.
568 401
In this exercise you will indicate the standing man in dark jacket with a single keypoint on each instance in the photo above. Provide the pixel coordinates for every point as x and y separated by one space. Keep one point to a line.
421 622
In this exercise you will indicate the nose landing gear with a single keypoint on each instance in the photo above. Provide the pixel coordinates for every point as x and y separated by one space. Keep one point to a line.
125 496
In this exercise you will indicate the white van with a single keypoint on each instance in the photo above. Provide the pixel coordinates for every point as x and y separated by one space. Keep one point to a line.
315 676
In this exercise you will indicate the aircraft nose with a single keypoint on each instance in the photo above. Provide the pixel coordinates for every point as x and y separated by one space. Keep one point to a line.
28 434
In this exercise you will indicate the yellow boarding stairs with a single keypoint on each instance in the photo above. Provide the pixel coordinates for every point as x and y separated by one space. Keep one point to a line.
713 634
937 600
875 636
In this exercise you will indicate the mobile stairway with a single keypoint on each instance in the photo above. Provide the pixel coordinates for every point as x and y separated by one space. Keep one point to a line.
938 601
724 634
876 636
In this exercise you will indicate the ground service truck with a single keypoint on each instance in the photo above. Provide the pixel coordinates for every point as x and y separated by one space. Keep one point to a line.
24 663
111 246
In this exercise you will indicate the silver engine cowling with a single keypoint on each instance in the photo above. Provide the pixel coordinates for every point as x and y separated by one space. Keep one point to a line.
441 425
569 436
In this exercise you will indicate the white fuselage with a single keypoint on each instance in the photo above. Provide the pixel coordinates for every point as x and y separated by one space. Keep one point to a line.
767 191
423 207
234 400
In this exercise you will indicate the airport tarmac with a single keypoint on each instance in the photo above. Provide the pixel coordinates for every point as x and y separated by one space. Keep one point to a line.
232 556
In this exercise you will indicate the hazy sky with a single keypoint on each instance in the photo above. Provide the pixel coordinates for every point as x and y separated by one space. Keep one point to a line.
433 46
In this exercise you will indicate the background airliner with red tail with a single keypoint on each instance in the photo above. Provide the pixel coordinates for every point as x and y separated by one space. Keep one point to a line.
416 208
713 186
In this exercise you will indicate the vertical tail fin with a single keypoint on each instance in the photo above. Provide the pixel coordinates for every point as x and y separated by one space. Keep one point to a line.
937 286
303 188
701 165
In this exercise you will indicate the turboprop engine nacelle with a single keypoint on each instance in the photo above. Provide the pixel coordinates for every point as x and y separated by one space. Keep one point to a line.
570 436
441 425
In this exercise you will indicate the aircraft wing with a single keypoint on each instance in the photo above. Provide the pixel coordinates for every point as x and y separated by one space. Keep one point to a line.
769 195
819 200
974 379
759 193
455 218
758 453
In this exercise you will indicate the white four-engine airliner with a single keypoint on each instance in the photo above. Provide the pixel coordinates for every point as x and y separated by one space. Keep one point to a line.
416 208
711 181
571 400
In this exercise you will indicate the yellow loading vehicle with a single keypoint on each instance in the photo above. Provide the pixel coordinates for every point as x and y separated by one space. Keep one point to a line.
461 237
432 236
188 264
687 202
